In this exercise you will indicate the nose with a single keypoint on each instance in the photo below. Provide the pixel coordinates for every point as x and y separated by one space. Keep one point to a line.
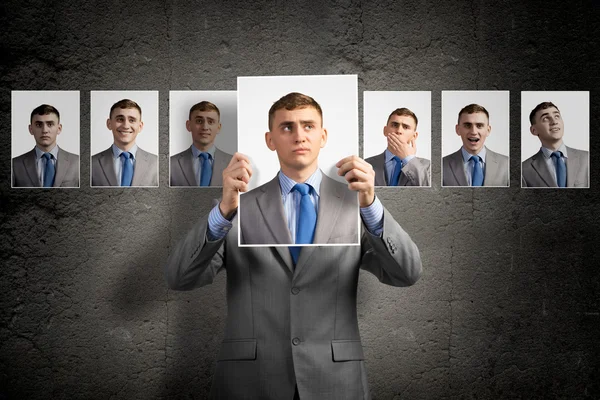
298 134
204 125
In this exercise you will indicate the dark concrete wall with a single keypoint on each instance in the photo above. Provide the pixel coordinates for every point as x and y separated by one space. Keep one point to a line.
509 302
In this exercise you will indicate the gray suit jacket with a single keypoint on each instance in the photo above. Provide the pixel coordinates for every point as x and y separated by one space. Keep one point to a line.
25 172
496 170
534 172
291 326
263 221
182 168
415 173
145 172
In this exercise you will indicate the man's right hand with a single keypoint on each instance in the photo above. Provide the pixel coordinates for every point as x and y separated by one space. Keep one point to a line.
399 148
235 179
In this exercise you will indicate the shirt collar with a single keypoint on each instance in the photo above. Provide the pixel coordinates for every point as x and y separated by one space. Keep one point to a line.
117 151
287 184
196 152
39 153
467 156
389 156
548 153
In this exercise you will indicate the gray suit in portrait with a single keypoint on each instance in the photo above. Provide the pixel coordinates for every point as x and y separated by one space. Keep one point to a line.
182 168
263 221
145 172
496 170
535 173
25 172
415 173
287 325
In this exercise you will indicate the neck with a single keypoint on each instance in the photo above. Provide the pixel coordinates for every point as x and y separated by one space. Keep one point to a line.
555 145
127 147
46 149
299 176
393 152
202 147
473 153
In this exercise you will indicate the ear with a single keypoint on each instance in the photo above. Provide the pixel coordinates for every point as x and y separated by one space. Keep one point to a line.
323 137
532 130
416 135
218 129
30 129
385 133
141 125
188 125
456 130
269 141
109 124
59 129
489 130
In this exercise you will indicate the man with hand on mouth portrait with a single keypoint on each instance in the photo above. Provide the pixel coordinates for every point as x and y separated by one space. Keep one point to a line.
555 165
203 163
398 165
124 163
474 164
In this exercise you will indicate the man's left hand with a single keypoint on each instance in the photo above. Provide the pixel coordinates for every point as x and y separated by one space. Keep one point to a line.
360 176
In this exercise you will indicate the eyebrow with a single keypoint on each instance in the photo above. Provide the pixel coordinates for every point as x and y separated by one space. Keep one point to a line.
548 113
125 116
302 122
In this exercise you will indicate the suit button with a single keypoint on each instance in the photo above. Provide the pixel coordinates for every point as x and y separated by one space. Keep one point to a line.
295 341
295 290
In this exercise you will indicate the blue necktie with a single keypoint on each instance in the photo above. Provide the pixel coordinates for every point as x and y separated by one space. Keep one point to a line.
206 173
307 219
397 170
477 178
561 170
127 174
49 170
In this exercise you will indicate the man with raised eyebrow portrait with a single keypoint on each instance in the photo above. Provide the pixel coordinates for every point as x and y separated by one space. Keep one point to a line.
203 163
46 165
292 328
474 164
555 165
398 165
124 163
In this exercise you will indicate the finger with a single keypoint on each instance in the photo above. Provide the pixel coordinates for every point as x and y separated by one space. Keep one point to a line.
346 160
240 173
238 157
358 164
356 175
239 164
360 186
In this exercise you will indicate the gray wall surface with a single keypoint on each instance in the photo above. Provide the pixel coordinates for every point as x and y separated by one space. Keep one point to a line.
509 302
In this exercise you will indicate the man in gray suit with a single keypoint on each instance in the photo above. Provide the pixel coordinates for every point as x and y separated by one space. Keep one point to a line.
555 165
292 329
474 164
203 163
398 165
124 163
46 165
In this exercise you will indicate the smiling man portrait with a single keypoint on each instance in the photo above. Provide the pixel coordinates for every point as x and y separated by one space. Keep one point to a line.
46 165
474 164
124 163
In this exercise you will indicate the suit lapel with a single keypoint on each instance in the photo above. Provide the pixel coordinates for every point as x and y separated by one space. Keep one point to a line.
539 165
63 163
379 167
271 208
457 168
108 168
491 168
221 162
141 168
187 167
573 164
29 165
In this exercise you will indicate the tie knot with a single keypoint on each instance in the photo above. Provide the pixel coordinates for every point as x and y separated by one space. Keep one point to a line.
205 156
475 158
397 159
557 154
302 188
47 156
126 155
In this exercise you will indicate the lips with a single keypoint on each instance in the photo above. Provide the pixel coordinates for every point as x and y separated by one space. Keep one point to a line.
473 140
301 151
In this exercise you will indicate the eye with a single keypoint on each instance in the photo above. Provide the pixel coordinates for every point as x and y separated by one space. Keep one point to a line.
309 127
287 128
120 119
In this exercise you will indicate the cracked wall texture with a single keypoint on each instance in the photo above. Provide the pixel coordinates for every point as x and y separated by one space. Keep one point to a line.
509 302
